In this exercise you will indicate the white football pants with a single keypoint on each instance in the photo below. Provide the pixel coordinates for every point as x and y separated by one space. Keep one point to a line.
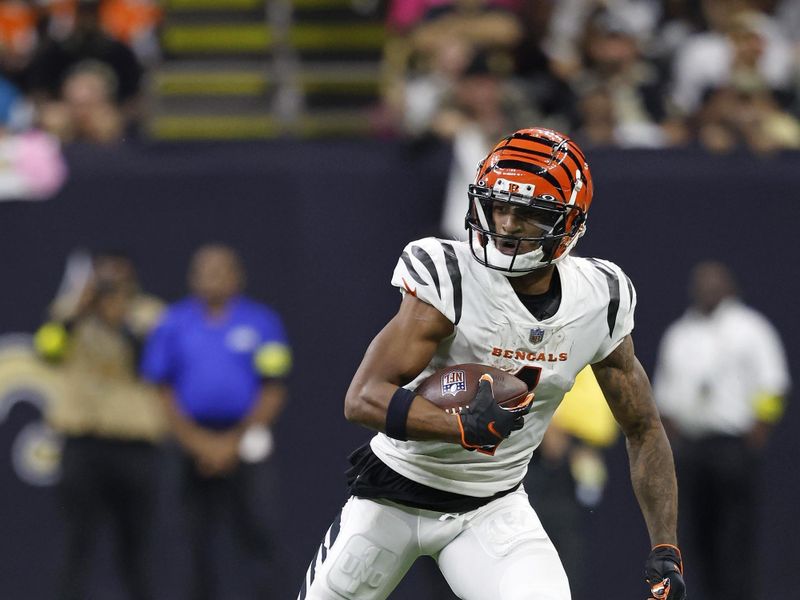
497 552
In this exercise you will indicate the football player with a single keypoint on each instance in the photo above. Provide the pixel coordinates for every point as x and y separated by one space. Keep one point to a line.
449 486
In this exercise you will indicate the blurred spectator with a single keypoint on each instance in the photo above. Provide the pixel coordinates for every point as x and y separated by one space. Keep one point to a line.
86 110
739 43
422 95
621 90
745 110
547 90
111 423
86 40
134 23
742 117
18 38
116 267
720 383
484 24
567 475
569 20
484 104
678 21
15 111
221 360
31 166
432 45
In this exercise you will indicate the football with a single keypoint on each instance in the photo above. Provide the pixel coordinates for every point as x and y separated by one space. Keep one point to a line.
452 388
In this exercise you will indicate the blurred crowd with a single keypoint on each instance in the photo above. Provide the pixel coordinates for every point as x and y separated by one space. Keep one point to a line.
70 70
73 68
722 74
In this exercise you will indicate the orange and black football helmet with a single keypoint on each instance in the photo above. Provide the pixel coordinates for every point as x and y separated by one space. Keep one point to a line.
543 172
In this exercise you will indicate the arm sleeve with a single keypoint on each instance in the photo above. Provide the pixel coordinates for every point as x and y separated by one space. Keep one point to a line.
620 308
428 269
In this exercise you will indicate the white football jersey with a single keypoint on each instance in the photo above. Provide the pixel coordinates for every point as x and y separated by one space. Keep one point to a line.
493 327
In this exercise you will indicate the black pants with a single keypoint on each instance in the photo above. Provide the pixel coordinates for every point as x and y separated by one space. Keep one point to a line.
717 480
239 499
107 477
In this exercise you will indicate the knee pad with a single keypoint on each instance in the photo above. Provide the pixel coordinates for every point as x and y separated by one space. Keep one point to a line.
367 565
362 568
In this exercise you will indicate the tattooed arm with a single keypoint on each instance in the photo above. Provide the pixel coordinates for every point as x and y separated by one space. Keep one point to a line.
627 391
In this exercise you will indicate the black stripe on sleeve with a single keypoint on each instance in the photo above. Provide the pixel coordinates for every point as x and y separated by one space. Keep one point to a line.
451 260
410 266
630 289
427 262
613 291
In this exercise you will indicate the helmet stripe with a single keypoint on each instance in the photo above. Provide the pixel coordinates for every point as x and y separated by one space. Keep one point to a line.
544 155
534 138
571 148
566 145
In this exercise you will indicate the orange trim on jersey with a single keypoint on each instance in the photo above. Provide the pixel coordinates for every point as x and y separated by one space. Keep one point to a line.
408 288
678 550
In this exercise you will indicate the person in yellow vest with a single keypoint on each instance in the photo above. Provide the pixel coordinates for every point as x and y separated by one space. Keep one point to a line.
567 475
111 422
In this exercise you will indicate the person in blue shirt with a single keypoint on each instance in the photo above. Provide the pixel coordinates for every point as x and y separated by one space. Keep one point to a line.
220 360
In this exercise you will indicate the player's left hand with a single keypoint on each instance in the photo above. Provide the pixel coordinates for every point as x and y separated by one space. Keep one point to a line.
663 572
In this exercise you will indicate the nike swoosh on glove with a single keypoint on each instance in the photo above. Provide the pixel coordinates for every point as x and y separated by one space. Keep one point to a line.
485 424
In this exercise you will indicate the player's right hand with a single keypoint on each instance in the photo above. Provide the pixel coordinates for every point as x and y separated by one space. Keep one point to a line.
663 572
484 424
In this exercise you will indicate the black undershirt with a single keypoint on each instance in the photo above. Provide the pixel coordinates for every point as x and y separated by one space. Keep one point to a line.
369 477
544 306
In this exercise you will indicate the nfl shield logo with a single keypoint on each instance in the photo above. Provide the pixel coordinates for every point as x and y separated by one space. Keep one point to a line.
454 382
536 336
